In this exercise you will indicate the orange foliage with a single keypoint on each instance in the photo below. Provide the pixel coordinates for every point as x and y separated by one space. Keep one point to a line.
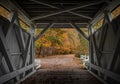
116 12
4 12
24 25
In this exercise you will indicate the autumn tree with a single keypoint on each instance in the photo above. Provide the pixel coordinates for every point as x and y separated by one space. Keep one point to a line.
52 39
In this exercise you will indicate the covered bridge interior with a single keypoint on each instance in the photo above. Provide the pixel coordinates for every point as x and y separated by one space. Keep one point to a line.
17 45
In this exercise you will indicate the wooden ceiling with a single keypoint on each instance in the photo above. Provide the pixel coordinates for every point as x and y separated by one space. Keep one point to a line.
61 12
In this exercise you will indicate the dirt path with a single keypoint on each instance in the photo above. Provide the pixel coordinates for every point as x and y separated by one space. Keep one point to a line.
62 69
60 62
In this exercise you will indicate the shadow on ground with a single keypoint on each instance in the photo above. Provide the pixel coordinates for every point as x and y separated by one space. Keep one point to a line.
61 69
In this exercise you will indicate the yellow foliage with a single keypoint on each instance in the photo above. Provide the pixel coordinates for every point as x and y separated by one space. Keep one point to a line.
57 46
115 13
4 12
50 38
24 25
98 24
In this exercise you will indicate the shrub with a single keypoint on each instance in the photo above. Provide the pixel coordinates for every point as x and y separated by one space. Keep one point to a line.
77 55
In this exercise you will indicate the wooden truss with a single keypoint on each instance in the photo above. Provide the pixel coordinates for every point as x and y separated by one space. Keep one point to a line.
97 51
25 48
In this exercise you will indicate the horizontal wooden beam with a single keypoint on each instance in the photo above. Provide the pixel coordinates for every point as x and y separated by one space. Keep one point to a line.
106 72
97 77
15 54
62 21
61 25
36 8
28 75
71 18
15 73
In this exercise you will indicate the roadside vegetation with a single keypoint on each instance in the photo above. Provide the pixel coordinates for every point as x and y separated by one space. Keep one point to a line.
61 41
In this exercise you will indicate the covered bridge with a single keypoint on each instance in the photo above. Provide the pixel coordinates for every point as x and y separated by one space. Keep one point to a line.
17 44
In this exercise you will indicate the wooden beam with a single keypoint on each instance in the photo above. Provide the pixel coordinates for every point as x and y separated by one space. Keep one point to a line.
103 81
104 28
80 15
22 14
27 50
65 15
12 19
48 10
46 4
32 52
15 73
28 75
111 5
106 72
62 21
20 38
95 49
14 54
116 51
1 58
90 49
5 50
94 45
68 9
26 53
43 31
61 25
79 30
20 32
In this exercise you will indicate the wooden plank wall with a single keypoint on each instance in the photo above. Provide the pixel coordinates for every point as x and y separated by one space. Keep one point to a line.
107 40
16 58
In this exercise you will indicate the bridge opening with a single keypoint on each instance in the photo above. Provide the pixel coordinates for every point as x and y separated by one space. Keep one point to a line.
19 19
61 41
58 54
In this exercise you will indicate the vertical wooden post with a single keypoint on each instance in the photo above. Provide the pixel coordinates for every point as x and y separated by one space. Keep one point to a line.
107 20
90 49
94 47
32 32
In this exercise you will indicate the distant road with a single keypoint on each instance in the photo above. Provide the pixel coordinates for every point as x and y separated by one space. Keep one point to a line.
61 62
